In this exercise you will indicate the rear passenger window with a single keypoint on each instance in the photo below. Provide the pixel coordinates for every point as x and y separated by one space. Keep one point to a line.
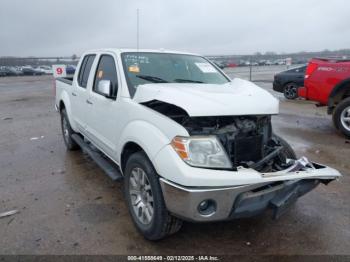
85 69
107 70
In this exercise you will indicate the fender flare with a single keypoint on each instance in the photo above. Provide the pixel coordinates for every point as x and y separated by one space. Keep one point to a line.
66 101
337 94
145 135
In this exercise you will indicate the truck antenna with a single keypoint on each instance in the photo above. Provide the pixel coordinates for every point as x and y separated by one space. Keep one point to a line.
137 34
137 30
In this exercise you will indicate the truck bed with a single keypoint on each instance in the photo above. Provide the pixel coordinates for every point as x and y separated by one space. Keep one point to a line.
66 80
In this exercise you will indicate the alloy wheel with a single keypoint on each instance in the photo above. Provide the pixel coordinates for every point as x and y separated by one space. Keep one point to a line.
290 91
65 129
345 118
140 193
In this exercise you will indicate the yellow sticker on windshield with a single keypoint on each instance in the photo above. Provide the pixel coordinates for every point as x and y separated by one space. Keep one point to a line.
134 69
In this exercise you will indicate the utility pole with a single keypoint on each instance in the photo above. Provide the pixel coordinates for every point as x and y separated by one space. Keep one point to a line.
250 69
138 29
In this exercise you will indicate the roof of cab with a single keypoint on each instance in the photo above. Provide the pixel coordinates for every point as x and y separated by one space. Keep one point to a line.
125 50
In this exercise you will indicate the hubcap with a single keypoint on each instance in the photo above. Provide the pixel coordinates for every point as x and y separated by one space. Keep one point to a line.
65 129
141 196
290 91
345 118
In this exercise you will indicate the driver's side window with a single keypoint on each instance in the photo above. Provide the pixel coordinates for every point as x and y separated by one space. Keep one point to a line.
106 70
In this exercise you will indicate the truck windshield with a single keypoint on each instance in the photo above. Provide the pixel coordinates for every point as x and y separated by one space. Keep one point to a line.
145 68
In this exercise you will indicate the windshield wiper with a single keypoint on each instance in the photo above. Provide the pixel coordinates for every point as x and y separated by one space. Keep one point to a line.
188 81
152 79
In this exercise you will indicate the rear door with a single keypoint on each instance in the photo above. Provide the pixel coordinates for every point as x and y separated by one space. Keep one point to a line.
80 92
102 118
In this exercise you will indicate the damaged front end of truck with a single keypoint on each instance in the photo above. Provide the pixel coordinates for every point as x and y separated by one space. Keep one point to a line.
248 140
244 132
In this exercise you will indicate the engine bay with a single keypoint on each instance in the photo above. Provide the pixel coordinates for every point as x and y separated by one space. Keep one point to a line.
248 140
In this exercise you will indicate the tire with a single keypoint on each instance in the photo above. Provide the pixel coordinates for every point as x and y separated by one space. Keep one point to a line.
335 122
290 91
67 132
158 223
287 151
341 117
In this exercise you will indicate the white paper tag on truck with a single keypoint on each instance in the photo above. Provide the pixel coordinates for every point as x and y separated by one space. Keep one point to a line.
59 71
206 67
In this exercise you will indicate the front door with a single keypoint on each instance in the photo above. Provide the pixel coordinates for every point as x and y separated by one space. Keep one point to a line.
102 119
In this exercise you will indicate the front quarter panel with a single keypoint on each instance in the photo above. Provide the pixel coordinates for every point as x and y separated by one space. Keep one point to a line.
149 129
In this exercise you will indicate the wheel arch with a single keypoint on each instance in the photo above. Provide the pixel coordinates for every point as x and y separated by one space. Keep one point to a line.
61 105
140 136
339 93
129 149
64 102
289 82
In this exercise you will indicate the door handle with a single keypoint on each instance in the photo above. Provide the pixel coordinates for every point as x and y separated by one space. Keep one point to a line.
74 94
89 102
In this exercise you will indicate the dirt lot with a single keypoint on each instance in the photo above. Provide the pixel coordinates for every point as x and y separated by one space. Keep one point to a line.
68 206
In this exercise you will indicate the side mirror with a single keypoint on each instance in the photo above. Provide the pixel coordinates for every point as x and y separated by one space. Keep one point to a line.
104 87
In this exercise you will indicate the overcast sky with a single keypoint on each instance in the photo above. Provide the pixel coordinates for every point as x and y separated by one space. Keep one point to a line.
66 27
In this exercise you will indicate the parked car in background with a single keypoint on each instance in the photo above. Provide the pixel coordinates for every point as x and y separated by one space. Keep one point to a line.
221 65
288 82
46 70
29 71
70 69
231 65
2 71
279 62
327 81
9 71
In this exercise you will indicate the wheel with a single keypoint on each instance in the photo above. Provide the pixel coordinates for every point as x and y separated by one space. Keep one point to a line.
145 199
335 122
67 132
291 91
341 117
287 151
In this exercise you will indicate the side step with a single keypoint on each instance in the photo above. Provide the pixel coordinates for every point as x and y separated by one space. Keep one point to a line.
109 168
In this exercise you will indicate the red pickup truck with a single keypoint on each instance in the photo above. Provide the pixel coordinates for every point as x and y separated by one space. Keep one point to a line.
327 81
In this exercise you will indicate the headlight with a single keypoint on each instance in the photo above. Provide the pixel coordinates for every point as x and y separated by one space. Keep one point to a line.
206 152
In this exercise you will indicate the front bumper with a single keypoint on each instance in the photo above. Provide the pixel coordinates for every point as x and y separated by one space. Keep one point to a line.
277 86
240 193
234 202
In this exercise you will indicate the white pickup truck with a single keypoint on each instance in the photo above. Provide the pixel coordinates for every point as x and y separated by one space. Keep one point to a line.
189 142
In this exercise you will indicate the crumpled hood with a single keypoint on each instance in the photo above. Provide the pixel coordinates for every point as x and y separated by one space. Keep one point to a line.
239 97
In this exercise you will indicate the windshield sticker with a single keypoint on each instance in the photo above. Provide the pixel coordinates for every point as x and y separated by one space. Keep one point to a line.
134 69
206 67
136 59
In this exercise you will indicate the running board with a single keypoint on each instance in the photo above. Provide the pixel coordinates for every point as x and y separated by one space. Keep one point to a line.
109 168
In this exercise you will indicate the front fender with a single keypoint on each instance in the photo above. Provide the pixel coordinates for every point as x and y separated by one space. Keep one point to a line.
146 135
